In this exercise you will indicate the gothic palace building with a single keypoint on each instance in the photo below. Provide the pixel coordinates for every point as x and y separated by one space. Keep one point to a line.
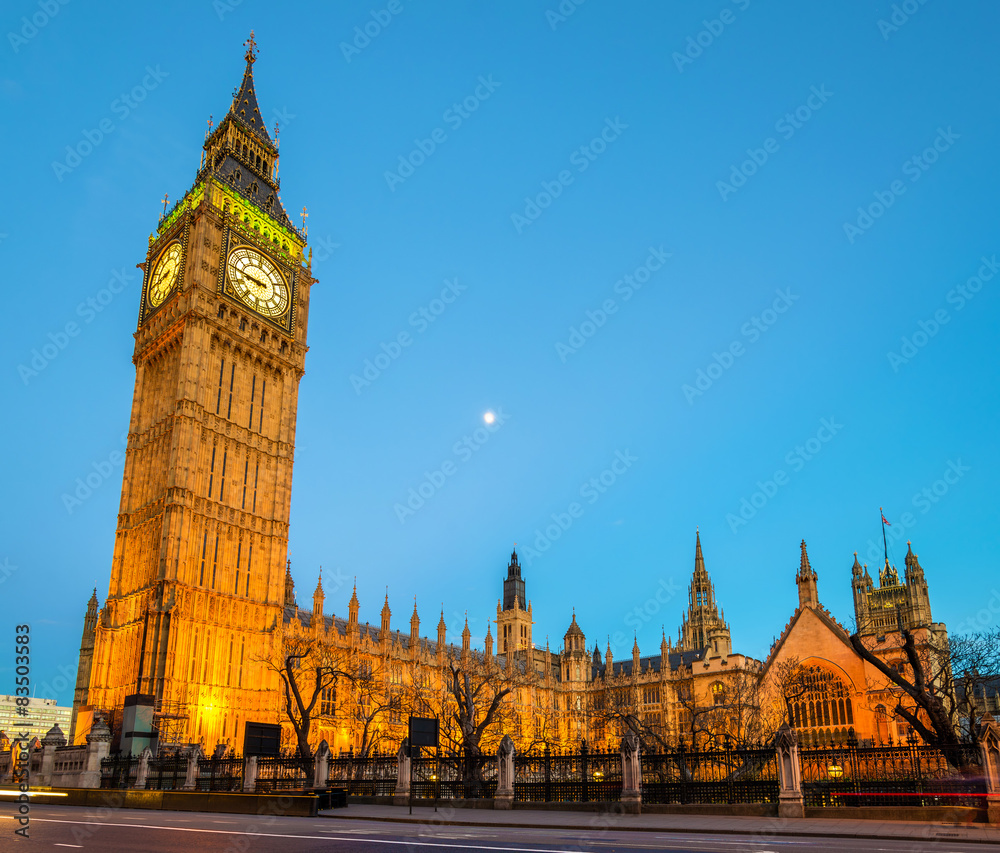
201 591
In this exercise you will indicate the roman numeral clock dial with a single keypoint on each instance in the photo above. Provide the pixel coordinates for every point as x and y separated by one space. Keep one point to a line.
165 274
257 282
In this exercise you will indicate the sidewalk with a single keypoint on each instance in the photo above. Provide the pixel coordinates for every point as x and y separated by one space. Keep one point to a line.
715 824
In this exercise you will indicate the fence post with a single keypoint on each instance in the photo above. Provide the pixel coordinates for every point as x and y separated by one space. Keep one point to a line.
321 765
191 777
790 801
98 748
401 797
631 798
143 772
989 753
250 774
548 773
53 738
504 797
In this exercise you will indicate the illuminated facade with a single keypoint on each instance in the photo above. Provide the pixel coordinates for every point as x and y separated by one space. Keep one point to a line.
201 592
197 580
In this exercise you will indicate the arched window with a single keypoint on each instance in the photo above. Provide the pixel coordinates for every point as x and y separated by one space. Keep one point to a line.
824 703
718 693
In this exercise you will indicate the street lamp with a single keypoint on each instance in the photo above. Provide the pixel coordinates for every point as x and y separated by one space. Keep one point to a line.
835 771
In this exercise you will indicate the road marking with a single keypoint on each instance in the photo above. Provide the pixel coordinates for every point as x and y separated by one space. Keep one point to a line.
57 844
408 843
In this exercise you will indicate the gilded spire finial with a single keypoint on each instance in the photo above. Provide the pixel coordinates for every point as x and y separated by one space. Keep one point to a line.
251 45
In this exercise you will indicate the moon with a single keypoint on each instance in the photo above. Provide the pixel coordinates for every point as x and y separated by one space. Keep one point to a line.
489 417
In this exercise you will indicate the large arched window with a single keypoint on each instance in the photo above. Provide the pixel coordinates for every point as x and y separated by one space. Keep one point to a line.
822 711
718 693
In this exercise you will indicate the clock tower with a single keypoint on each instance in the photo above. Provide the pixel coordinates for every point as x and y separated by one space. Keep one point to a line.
198 574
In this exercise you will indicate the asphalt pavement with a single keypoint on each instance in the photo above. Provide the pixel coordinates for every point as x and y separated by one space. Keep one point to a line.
131 830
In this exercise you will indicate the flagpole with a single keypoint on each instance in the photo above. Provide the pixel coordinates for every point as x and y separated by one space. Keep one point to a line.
885 547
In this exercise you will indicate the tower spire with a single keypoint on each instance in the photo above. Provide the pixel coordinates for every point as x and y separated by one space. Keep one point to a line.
699 558
245 106
513 585
703 627
806 580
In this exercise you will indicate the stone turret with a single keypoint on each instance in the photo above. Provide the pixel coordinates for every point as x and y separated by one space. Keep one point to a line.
878 610
80 694
414 631
442 636
806 581
318 599
384 631
574 659
289 586
514 622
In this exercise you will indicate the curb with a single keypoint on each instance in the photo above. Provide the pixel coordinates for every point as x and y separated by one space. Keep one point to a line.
689 830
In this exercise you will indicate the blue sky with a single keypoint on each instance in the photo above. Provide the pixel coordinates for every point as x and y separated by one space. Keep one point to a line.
717 153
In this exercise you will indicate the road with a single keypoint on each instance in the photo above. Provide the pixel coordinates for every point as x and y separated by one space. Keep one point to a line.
127 831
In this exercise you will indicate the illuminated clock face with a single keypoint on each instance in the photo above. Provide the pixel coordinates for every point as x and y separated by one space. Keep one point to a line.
257 282
165 274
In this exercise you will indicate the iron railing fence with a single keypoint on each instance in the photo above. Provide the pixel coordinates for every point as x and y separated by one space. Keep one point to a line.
741 775
167 773
281 773
583 776
220 774
119 771
372 776
904 775
450 776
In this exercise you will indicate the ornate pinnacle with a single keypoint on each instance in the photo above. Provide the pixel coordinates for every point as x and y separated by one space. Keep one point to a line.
251 45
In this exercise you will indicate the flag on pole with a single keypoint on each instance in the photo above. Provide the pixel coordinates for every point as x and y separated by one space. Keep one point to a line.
884 519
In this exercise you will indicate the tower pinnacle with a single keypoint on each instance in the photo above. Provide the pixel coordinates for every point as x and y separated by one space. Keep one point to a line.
806 580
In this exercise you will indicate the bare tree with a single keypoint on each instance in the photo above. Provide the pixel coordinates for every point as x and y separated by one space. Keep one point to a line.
922 685
307 667
619 706
378 704
935 689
